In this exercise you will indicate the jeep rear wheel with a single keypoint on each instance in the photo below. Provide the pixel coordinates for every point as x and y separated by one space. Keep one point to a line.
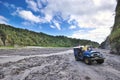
77 59
88 61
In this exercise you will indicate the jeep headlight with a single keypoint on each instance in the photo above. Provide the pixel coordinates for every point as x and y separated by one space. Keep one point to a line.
98 54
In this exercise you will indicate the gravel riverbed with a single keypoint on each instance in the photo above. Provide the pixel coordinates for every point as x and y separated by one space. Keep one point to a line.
55 64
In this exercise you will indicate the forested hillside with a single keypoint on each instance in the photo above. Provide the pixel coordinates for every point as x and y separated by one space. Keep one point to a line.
11 36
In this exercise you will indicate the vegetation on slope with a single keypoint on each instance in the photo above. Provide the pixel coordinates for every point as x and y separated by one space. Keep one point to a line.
11 36
115 36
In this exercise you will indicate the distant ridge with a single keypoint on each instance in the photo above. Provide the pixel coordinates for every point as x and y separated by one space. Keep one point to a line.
11 36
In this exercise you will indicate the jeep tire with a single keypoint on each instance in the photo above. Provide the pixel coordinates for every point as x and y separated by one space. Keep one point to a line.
88 61
77 59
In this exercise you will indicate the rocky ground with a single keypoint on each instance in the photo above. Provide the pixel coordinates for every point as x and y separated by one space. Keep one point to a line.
55 64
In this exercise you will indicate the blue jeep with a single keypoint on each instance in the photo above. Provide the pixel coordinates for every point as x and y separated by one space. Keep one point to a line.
88 56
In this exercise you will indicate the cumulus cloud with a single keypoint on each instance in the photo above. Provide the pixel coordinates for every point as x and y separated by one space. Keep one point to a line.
42 3
72 27
3 20
97 20
52 26
48 17
27 23
8 5
57 25
32 5
98 34
28 15
36 5
94 14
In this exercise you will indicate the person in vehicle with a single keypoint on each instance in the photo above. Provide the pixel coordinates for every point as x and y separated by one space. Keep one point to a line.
85 48
80 51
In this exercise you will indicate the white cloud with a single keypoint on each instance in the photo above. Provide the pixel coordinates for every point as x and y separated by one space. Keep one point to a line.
98 34
97 20
36 5
3 20
6 4
97 2
57 25
27 23
32 5
52 26
48 17
28 15
41 3
72 27
71 7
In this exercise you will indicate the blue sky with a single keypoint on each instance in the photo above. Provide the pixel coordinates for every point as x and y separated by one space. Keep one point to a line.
82 19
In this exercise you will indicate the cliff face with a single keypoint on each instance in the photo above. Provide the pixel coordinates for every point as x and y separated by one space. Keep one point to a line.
105 44
115 34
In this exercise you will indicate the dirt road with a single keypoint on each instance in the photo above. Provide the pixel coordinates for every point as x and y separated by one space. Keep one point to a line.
56 64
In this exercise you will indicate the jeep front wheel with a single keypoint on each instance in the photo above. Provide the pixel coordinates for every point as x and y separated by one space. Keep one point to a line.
88 61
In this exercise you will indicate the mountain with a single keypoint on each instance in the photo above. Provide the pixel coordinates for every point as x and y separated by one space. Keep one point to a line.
114 38
11 36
